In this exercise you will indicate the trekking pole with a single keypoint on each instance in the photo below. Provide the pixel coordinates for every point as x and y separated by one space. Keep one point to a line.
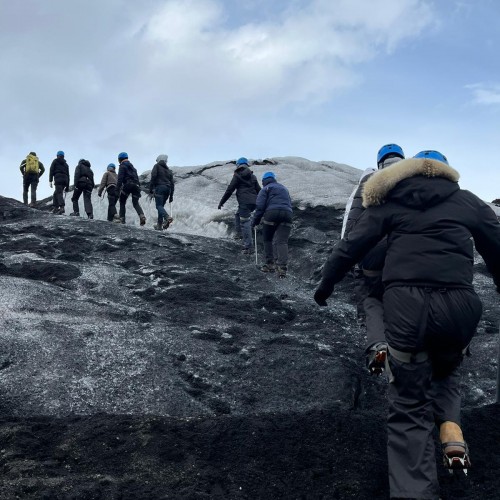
498 370
255 239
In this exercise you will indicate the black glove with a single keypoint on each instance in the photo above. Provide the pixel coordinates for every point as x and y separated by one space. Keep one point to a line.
66 189
151 191
220 206
100 195
170 200
321 295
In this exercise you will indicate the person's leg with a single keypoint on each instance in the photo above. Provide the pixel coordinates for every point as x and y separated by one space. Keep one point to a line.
111 202
58 196
268 231
87 202
76 196
123 202
374 308
410 423
136 194
237 225
281 244
160 200
245 212
34 185
26 186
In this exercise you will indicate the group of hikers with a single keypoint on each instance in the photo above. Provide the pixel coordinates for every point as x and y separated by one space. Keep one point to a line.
118 186
408 236
409 233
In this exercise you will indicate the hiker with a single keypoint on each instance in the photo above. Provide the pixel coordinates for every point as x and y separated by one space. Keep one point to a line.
128 184
84 183
274 209
59 177
368 273
430 307
108 184
162 186
247 188
31 169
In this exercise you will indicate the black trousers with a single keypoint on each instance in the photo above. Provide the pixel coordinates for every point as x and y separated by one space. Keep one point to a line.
58 196
426 393
112 199
276 229
87 200
30 181
135 191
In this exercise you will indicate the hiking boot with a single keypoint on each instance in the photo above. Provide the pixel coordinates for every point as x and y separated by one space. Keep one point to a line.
142 219
166 223
237 237
375 359
75 214
281 271
60 211
268 268
90 216
117 219
456 456
54 210
158 227
32 204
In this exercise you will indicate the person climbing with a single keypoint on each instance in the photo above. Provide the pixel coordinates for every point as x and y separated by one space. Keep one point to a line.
247 188
59 177
368 273
31 169
162 186
274 209
84 183
430 307
108 184
128 184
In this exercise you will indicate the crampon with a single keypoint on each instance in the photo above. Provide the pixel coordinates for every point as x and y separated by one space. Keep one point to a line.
456 456
376 357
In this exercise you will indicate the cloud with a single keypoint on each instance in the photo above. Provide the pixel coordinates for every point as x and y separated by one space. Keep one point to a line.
485 94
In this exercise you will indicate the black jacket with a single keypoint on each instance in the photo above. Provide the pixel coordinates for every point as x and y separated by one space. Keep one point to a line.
127 174
59 172
84 176
246 186
430 225
161 175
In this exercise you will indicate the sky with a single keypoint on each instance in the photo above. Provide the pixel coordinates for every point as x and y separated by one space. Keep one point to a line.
210 80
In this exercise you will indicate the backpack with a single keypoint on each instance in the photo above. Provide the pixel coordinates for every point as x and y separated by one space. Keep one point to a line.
31 165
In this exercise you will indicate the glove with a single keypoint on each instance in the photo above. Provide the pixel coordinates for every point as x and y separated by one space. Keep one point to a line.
220 206
50 184
100 195
151 191
66 190
170 200
321 295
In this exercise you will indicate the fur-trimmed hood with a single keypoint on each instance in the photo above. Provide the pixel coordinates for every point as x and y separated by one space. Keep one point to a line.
418 182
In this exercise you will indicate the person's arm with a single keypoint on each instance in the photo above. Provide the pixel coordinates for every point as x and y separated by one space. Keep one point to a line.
261 205
229 191
121 175
370 228
172 186
42 169
154 175
22 167
51 173
257 185
66 170
103 184
486 233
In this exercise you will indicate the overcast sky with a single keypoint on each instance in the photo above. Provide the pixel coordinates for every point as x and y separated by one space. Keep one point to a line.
207 80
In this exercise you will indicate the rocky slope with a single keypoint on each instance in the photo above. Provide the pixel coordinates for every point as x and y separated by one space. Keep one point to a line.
139 365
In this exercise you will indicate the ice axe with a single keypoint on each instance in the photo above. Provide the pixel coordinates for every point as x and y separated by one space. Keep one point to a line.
255 240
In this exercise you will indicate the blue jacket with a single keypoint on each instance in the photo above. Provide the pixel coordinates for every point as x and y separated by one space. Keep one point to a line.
272 196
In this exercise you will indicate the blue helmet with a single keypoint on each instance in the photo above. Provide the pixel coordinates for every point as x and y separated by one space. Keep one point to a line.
389 149
269 175
111 166
60 153
434 155
242 161
123 156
